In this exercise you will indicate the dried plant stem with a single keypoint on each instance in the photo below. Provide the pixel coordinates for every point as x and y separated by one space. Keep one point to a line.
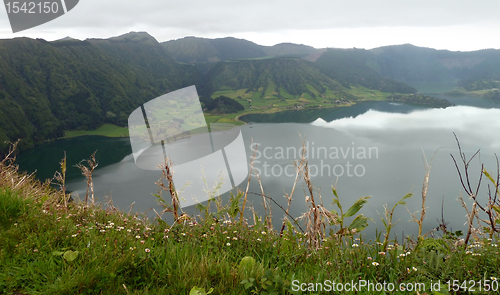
425 187
60 178
298 171
286 213
167 174
267 208
87 172
473 193
248 185
317 216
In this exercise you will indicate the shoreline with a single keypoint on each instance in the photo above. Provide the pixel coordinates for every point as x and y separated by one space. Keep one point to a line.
107 130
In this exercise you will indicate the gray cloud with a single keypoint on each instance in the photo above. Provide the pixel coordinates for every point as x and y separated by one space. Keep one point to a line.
170 19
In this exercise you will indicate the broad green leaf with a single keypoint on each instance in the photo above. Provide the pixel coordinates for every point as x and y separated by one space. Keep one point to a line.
70 255
359 223
200 291
356 206
57 253
247 263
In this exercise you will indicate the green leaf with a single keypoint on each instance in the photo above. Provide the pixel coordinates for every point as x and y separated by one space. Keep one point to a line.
247 263
489 176
359 223
335 192
356 207
57 253
200 291
70 255
407 196
384 222
336 199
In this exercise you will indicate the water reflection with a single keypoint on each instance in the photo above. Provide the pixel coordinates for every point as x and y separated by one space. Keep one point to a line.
399 139
338 141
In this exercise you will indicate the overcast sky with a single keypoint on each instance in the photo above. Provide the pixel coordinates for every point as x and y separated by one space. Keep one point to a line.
442 24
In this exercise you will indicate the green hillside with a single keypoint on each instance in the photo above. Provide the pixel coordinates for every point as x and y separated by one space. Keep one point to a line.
278 84
353 67
49 87
271 84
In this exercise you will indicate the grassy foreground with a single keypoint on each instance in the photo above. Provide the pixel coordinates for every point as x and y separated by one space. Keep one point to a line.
51 246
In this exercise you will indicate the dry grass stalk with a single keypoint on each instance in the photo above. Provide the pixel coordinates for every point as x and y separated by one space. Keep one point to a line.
87 172
60 180
167 174
110 207
317 216
286 213
248 184
26 184
299 166
425 186
267 206
470 217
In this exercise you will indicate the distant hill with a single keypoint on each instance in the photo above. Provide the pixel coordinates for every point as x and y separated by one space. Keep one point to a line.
289 49
201 50
412 65
415 65
357 67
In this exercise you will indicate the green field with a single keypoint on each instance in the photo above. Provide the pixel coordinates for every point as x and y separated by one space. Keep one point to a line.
108 130
261 101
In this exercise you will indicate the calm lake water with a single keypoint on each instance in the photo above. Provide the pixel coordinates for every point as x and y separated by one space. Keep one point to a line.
370 149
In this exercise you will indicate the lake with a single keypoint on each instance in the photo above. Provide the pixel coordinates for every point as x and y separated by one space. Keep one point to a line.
372 149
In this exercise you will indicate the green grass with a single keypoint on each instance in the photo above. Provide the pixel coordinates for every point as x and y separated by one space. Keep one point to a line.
270 90
108 130
49 248
368 94
116 250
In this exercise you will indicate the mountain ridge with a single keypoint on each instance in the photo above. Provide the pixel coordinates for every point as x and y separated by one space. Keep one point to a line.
48 87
